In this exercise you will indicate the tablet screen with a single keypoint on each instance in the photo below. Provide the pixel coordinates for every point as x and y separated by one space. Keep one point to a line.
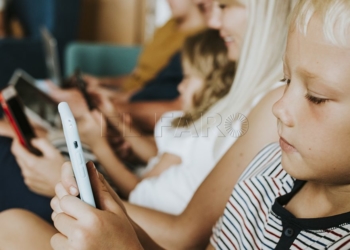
38 102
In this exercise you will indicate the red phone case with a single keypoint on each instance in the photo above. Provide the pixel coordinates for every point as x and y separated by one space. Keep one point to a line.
13 123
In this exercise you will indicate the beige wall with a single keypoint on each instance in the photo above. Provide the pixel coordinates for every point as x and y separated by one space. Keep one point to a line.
113 21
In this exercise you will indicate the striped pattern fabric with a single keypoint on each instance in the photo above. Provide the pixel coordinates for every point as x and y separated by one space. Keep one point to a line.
253 218
61 145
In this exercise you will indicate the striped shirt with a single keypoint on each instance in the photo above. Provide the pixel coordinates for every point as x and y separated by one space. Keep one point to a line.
255 217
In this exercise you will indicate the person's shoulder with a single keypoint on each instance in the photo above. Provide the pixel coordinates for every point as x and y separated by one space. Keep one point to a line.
266 163
169 26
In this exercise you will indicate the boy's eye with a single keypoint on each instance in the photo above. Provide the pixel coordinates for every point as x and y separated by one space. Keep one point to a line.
315 100
222 6
286 80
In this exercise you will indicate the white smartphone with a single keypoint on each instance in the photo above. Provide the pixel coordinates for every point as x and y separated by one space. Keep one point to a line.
76 154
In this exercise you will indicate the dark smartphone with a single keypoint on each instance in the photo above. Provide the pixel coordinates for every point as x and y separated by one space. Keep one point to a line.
14 111
81 85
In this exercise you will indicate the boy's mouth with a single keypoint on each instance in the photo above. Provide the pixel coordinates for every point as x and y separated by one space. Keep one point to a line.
286 146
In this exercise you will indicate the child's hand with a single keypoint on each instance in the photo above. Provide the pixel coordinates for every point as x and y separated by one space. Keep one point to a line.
81 226
6 129
72 96
91 81
92 127
40 174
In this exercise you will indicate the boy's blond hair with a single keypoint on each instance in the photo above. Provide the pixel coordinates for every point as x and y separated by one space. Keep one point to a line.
335 15
206 54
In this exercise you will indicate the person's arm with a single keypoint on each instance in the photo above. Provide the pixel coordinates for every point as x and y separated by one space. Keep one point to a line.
210 247
146 114
144 146
192 229
5 129
125 180
166 161
115 82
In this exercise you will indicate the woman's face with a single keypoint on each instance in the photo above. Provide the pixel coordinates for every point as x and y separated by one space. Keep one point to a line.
180 8
213 17
234 22
211 12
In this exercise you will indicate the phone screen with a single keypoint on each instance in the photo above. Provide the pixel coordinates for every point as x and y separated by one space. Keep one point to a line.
16 108
38 102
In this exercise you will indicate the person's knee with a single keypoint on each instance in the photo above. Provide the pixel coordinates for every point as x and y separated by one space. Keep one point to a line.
21 224
14 218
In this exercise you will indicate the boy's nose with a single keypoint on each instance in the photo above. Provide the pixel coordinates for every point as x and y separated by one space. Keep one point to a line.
281 109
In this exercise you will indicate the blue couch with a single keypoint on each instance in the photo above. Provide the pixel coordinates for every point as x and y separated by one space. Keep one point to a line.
61 17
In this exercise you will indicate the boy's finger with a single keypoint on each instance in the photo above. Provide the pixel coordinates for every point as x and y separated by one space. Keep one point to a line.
44 146
68 179
75 207
58 242
105 197
55 205
64 223
60 190
22 153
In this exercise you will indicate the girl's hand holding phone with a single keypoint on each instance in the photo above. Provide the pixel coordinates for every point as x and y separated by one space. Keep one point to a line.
40 173
82 226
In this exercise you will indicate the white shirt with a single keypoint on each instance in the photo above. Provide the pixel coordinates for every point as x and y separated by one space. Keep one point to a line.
171 191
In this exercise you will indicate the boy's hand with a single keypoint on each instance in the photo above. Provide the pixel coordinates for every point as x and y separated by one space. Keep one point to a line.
72 96
91 81
92 127
40 173
81 226
6 129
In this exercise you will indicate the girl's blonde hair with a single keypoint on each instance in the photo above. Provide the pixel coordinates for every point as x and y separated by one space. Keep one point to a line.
335 15
259 66
206 54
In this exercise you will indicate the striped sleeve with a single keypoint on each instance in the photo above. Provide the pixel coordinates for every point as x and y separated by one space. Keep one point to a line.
243 195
